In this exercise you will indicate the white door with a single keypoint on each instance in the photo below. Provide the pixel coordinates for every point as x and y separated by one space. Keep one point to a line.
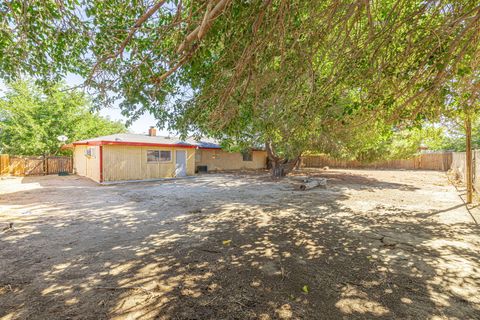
180 163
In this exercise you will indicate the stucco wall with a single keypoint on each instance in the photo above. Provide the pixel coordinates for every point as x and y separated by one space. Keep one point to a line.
130 163
222 160
87 166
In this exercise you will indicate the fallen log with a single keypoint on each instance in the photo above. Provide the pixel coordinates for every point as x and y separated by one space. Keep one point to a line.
310 184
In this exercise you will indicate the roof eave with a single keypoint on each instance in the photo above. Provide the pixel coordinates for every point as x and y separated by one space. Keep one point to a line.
132 144
147 144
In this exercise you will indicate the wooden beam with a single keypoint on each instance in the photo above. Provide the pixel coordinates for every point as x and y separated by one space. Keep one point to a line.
469 171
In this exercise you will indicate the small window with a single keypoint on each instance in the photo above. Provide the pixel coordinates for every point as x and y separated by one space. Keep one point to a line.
90 152
165 156
153 155
159 156
247 155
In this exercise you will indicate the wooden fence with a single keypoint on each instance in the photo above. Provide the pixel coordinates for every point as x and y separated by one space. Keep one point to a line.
25 166
427 161
4 164
459 167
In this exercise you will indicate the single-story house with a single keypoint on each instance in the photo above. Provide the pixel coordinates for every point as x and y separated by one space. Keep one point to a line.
125 156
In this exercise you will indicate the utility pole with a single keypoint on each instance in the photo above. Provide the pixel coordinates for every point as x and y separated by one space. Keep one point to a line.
469 172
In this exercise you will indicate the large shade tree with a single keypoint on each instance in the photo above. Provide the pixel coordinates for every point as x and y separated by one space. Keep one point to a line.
32 119
295 75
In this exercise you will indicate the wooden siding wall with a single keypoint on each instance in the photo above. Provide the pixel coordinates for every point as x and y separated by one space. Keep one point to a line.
218 160
87 166
130 163
21 165
427 161
79 161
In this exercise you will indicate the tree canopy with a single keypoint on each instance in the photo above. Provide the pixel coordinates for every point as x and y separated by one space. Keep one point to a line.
32 119
300 75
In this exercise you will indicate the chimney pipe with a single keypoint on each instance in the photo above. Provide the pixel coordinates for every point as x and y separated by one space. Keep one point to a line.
152 132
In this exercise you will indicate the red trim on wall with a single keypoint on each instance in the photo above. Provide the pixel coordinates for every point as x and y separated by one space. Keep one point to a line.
136 144
101 164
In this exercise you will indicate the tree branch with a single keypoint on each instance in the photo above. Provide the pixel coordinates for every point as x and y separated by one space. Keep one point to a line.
198 33
204 27
129 37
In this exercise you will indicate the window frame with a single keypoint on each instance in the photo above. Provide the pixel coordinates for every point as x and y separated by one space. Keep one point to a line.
90 153
159 158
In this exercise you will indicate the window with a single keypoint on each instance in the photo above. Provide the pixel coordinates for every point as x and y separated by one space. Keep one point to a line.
247 155
153 155
90 152
159 156
165 156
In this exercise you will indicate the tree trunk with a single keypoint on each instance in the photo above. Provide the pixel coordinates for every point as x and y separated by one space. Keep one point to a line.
307 185
280 167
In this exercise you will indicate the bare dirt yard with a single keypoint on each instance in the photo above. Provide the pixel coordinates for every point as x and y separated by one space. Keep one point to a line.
372 245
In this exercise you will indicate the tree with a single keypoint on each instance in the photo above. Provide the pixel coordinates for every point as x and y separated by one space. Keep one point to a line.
463 103
31 119
291 74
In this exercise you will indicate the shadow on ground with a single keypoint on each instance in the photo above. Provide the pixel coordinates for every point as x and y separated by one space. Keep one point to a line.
231 247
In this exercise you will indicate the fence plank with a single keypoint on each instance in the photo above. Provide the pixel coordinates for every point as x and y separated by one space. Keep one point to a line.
34 166
20 166
17 166
4 164
59 164
427 161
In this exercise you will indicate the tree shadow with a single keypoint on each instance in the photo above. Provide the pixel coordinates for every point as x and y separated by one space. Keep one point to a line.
231 247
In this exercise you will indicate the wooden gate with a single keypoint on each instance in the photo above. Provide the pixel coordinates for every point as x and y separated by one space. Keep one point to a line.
34 166
59 164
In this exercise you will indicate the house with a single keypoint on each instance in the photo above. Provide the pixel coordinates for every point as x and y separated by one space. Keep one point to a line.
125 156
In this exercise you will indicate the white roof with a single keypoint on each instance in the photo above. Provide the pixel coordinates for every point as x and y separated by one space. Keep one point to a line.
142 138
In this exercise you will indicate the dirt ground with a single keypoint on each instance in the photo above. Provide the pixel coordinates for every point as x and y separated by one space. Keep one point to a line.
372 245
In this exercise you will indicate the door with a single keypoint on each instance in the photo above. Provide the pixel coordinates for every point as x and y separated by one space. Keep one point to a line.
180 163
